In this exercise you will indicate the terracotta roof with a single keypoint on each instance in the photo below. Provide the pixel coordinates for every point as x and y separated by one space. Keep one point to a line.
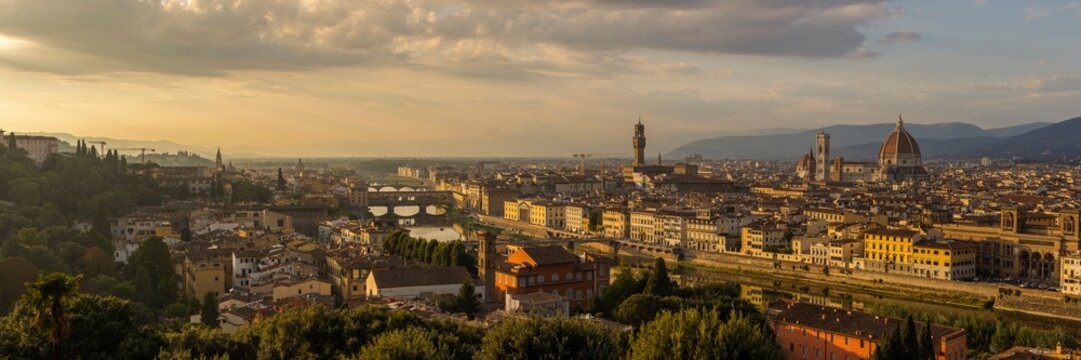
898 142
851 323
404 277
547 255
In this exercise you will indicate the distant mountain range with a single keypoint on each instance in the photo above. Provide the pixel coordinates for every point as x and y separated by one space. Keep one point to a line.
937 141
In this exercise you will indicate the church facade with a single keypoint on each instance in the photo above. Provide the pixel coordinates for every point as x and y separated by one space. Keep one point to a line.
899 159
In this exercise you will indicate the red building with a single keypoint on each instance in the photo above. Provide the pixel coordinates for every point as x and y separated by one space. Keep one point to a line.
807 331
555 270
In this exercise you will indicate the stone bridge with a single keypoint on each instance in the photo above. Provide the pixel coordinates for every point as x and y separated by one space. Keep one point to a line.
392 196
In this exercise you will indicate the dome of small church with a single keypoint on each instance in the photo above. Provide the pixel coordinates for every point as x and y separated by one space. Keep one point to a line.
899 144
805 165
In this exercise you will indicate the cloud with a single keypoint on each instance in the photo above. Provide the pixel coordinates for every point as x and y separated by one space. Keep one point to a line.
900 37
1034 13
215 37
1036 84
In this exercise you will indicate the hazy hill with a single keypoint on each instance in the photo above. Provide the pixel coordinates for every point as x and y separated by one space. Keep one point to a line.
792 145
161 146
1029 141
1056 141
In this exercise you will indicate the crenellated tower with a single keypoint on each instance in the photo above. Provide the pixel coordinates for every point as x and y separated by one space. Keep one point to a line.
639 142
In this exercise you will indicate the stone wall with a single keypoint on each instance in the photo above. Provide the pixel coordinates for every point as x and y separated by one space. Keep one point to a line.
1039 305
852 276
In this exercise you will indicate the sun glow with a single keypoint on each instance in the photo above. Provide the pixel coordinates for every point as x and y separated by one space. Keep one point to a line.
7 42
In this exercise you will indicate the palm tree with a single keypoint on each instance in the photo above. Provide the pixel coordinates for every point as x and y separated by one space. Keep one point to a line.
44 303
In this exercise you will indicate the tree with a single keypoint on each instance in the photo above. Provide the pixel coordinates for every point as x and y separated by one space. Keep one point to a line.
44 302
102 326
150 268
281 180
417 343
1004 338
467 300
553 338
209 312
925 345
642 308
659 284
96 262
702 334
890 348
101 224
624 285
199 342
15 272
25 192
909 340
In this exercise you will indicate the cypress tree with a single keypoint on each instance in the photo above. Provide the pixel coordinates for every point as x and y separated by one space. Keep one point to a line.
93 151
12 145
909 340
208 313
659 284
926 345
101 224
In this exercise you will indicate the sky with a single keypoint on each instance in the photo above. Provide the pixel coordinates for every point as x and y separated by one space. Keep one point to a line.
523 77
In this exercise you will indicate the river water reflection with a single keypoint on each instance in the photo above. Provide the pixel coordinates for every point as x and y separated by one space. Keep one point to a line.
761 290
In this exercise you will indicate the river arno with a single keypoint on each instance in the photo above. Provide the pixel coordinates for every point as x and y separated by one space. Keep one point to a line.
762 289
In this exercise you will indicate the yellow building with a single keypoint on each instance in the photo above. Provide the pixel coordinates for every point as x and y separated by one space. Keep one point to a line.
518 210
944 259
1070 276
763 235
889 250
616 224
643 226
547 214
348 273
202 274
290 287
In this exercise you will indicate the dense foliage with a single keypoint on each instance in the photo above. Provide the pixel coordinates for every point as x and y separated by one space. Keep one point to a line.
906 342
558 338
433 252
705 334
987 335
39 205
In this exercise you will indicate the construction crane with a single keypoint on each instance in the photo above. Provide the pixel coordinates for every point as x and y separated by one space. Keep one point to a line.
142 152
101 151
582 160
